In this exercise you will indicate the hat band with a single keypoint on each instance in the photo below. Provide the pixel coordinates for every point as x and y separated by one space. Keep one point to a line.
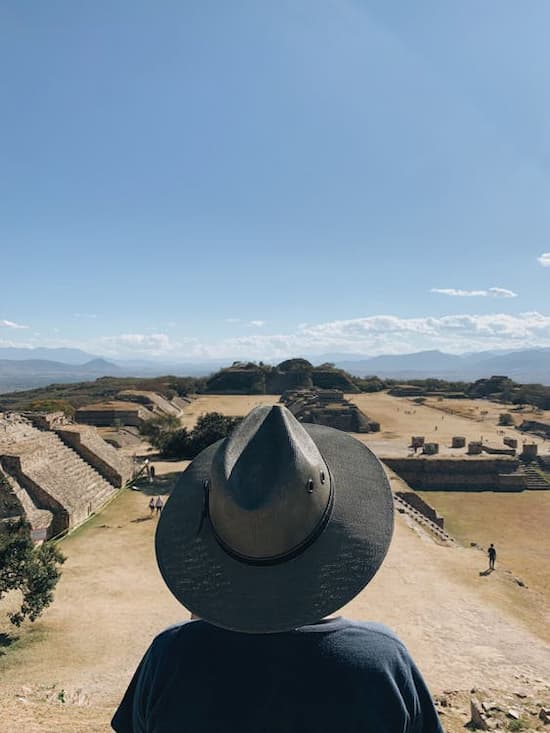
283 557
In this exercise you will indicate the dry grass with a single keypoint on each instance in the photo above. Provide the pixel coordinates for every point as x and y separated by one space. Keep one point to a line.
464 629
518 525
235 405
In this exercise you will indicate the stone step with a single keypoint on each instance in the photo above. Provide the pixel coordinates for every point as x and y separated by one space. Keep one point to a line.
421 519
57 469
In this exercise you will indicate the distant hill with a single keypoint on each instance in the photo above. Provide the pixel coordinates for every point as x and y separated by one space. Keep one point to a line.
29 373
77 394
526 365
64 355
29 368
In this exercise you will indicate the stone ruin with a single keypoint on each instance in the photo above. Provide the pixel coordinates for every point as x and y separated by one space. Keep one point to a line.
458 441
417 441
529 451
542 429
131 407
107 414
328 407
475 448
55 476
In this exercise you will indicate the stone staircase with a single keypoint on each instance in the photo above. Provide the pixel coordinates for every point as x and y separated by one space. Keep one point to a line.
114 466
533 479
54 475
404 507
39 519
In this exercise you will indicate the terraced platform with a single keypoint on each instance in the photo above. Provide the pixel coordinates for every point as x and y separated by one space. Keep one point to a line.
52 475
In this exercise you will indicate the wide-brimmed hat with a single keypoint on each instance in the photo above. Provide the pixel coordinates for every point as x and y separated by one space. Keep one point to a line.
276 526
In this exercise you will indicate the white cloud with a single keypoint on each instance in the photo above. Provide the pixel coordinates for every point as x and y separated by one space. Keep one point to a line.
257 324
489 293
502 293
85 315
387 334
544 259
10 324
370 335
232 320
150 344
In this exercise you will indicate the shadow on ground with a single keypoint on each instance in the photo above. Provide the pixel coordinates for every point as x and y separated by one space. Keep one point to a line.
160 485
6 640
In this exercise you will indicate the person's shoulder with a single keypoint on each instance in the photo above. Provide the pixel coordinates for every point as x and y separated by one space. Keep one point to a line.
375 630
376 640
169 636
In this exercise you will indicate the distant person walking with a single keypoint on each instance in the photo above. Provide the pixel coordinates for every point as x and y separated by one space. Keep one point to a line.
159 504
152 506
151 473
492 556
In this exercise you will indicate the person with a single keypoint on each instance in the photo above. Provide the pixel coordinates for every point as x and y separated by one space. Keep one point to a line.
159 504
492 556
152 505
151 473
266 535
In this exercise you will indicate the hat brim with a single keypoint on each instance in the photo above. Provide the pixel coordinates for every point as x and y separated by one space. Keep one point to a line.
240 596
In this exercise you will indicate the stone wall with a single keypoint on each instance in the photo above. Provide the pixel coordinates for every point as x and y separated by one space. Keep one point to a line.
328 407
422 506
109 414
537 428
498 451
107 461
468 474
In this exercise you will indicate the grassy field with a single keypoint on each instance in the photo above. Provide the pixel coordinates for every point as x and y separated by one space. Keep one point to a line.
517 524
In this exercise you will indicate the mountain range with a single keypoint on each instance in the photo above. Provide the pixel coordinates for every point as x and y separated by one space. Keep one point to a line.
526 365
28 368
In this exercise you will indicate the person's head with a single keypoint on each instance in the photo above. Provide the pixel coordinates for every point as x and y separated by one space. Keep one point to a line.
275 527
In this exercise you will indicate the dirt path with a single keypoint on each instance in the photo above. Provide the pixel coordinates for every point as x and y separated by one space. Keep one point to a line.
462 629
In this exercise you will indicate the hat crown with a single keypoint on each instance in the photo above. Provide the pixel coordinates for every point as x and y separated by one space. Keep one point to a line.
269 486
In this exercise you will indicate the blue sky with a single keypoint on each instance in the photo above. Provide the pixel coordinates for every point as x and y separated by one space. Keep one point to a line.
247 179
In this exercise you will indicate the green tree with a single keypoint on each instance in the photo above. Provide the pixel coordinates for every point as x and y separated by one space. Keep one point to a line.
210 427
33 571
175 444
157 428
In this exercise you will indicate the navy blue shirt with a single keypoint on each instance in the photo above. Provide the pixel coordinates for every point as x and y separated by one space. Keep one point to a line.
336 675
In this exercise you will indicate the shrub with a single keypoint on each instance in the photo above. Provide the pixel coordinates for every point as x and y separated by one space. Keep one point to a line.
51 406
174 441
